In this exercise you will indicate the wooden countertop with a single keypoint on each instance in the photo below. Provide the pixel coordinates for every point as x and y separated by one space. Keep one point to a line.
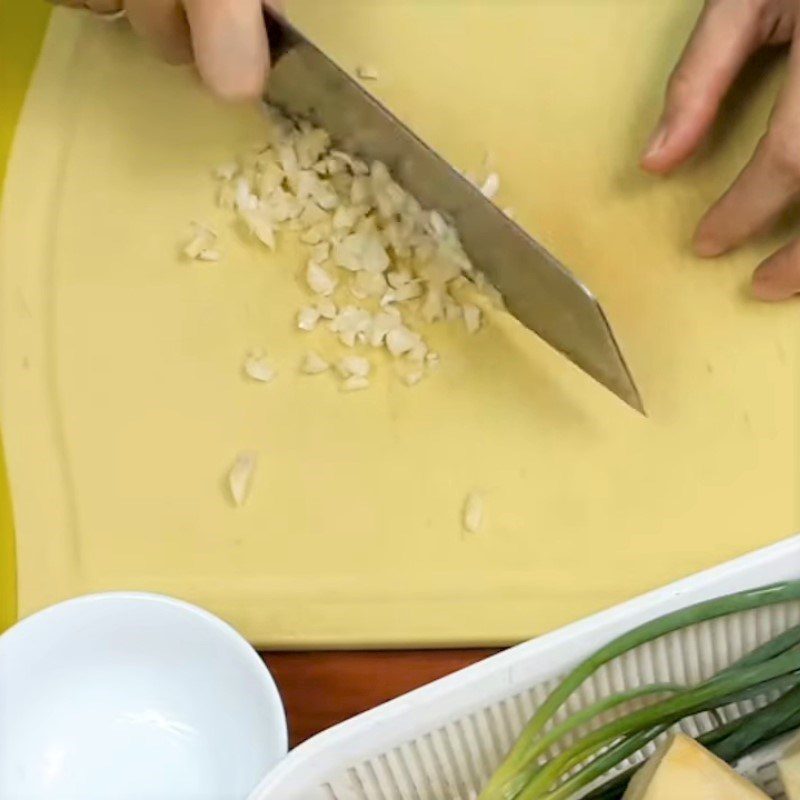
321 689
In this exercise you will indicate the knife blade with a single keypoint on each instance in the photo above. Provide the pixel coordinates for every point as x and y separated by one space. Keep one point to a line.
537 288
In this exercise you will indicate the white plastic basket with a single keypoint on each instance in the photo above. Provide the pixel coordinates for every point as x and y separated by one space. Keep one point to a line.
442 742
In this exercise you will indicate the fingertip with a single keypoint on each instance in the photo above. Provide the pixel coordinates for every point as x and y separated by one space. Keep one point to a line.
765 288
674 140
237 87
778 278
707 247
705 242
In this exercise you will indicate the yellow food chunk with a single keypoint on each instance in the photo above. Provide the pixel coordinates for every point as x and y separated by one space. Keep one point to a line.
682 769
789 769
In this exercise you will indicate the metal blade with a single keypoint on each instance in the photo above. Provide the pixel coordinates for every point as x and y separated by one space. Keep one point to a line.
539 291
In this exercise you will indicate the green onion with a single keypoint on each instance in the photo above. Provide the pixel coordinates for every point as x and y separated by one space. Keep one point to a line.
774 647
582 717
615 788
770 718
605 762
523 775
692 701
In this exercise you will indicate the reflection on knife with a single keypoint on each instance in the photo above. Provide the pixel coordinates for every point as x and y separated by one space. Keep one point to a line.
538 290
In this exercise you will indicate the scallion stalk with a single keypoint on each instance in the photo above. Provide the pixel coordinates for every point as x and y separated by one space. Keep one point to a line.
522 772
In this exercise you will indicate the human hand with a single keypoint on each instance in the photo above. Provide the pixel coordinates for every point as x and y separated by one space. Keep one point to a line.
727 34
226 39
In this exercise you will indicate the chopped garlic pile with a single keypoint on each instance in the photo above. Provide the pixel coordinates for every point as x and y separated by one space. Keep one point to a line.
379 266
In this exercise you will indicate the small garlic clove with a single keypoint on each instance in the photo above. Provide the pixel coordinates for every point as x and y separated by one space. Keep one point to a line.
473 513
472 317
401 340
413 378
314 364
355 384
354 366
307 318
319 280
257 367
491 186
203 239
240 476
327 308
367 72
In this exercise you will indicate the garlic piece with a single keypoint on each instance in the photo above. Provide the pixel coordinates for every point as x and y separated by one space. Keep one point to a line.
259 225
491 186
257 367
240 476
355 384
319 280
314 364
307 318
245 199
202 241
367 72
472 317
368 284
382 323
354 366
362 250
352 324
401 340
270 179
413 378
473 513
327 308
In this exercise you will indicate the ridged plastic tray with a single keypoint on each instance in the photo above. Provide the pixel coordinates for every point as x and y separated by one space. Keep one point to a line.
441 742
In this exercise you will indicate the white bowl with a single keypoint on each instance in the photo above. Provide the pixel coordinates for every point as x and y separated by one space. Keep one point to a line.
134 697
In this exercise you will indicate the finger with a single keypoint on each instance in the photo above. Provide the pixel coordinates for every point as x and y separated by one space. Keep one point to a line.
726 35
230 46
778 278
163 23
768 184
104 6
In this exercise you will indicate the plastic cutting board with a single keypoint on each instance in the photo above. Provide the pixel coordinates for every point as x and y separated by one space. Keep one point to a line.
123 403
22 26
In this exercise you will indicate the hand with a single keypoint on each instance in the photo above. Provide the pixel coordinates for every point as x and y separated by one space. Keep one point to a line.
727 34
226 39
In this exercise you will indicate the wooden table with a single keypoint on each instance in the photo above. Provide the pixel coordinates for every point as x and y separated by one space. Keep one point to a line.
321 689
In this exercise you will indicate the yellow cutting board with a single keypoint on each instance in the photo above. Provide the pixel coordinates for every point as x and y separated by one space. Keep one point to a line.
123 403
22 26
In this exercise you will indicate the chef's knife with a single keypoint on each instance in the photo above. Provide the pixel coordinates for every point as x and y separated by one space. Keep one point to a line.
538 290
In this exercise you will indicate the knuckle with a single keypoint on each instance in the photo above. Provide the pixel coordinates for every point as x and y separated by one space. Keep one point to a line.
682 89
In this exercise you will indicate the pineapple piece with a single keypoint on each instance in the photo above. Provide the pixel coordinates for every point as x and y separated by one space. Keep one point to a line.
682 768
789 769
